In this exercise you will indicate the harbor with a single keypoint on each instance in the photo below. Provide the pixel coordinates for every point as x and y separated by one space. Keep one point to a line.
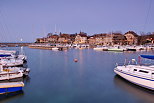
81 51
56 77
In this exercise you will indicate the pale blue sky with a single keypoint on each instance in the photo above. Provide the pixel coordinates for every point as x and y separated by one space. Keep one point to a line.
31 19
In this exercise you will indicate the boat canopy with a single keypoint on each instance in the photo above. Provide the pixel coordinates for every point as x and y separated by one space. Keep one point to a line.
147 56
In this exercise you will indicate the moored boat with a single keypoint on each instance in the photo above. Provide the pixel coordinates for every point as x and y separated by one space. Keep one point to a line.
55 48
98 48
12 55
116 49
141 75
25 71
11 62
6 74
11 87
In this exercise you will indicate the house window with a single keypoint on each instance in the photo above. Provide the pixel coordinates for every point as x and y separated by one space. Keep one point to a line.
143 71
135 69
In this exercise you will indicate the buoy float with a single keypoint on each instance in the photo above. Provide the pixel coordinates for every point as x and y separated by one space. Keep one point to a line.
75 60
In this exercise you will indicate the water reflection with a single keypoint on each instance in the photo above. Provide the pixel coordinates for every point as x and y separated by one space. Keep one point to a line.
26 80
139 92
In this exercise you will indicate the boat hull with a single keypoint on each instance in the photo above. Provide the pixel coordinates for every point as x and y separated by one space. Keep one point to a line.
11 87
118 50
144 82
9 90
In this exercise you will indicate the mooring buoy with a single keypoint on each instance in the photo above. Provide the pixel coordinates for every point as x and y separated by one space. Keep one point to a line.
75 60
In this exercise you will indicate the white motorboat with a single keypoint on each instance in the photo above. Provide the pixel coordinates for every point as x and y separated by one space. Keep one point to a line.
11 62
11 55
141 75
25 71
7 75
22 57
98 48
117 48
55 48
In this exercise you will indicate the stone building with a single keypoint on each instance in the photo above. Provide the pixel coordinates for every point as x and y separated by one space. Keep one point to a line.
41 40
132 38
91 40
81 38
107 40
118 39
53 38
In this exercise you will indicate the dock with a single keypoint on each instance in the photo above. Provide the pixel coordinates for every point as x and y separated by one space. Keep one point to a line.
48 47
14 44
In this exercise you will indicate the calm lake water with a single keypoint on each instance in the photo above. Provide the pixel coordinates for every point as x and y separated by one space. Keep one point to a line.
56 78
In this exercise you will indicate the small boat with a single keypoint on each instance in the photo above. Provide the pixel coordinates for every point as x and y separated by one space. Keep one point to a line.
55 48
101 48
131 49
25 71
98 48
12 55
11 62
142 75
10 74
116 49
11 87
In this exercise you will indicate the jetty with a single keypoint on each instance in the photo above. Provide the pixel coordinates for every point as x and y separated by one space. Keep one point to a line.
14 44
48 46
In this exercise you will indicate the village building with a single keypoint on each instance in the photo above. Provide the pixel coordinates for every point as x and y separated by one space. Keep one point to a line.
132 38
107 40
91 40
118 39
41 40
99 40
81 38
64 38
72 38
53 38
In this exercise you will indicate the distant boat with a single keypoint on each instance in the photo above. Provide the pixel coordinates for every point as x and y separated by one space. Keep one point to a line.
131 49
55 48
117 48
101 48
141 75
11 87
98 48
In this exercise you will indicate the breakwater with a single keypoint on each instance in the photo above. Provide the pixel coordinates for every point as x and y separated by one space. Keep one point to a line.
14 44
